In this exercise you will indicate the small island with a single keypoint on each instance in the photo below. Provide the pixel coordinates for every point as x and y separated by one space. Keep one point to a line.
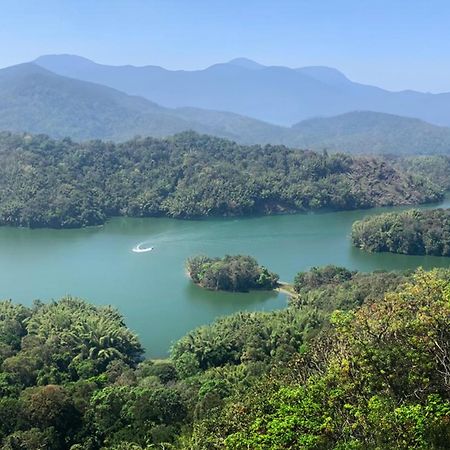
411 232
237 273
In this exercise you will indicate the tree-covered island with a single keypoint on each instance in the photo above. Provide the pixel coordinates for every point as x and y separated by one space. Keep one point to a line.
238 273
411 232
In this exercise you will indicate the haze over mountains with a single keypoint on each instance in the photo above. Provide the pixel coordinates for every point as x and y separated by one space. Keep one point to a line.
274 94
371 132
33 99
53 97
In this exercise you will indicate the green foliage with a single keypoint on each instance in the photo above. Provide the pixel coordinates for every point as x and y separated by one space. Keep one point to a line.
32 439
319 276
434 167
243 338
64 341
378 380
165 371
230 273
72 376
49 407
63 184
356 361
136 415
12 327
410 232
331 287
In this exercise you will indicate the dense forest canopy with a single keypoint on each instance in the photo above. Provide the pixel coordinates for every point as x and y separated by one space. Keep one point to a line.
433 167
411 232
350 352
377 379
230 273
62 184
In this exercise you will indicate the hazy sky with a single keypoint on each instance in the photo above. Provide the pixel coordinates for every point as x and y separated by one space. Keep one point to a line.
391 43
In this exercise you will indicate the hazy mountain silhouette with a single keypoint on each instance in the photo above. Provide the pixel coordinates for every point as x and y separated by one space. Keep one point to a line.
371 132
275 94
33 99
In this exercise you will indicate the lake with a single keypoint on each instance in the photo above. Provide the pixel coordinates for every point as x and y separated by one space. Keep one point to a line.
151 289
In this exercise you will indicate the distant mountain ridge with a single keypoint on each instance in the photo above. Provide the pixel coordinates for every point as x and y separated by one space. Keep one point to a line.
36 100
371 132
274 94
33 99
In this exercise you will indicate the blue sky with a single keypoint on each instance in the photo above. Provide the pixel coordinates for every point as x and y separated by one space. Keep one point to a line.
393 44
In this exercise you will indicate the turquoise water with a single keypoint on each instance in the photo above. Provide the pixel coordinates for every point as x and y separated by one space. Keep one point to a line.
151 289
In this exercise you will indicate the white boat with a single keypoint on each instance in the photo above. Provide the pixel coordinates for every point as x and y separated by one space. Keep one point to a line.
140 249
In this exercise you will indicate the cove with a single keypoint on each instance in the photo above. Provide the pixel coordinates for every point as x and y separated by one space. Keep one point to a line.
151 289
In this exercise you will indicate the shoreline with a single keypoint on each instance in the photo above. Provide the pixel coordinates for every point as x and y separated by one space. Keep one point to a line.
253 215
285 288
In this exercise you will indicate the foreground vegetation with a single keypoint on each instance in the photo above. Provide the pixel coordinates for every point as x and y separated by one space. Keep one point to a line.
231 273
356 361
410 232
62 184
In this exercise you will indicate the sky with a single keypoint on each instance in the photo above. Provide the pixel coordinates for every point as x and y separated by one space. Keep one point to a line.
394 44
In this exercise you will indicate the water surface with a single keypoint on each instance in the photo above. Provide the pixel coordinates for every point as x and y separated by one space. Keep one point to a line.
151 289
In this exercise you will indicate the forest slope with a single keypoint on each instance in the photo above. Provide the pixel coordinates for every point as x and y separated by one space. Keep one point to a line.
51 183
371 132
35 100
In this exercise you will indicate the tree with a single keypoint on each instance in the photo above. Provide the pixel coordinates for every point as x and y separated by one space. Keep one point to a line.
231 273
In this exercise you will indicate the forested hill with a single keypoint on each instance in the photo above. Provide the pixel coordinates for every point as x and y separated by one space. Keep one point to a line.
371 132
35 100
275 94
44 182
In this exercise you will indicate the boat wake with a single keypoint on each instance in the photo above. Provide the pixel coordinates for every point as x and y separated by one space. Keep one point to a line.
142 248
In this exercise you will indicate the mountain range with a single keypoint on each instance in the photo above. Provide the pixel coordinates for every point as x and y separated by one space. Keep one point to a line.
38 99
274 94
33 99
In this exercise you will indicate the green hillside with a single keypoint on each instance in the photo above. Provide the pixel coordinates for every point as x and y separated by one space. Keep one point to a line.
371 132
35 100
51 183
